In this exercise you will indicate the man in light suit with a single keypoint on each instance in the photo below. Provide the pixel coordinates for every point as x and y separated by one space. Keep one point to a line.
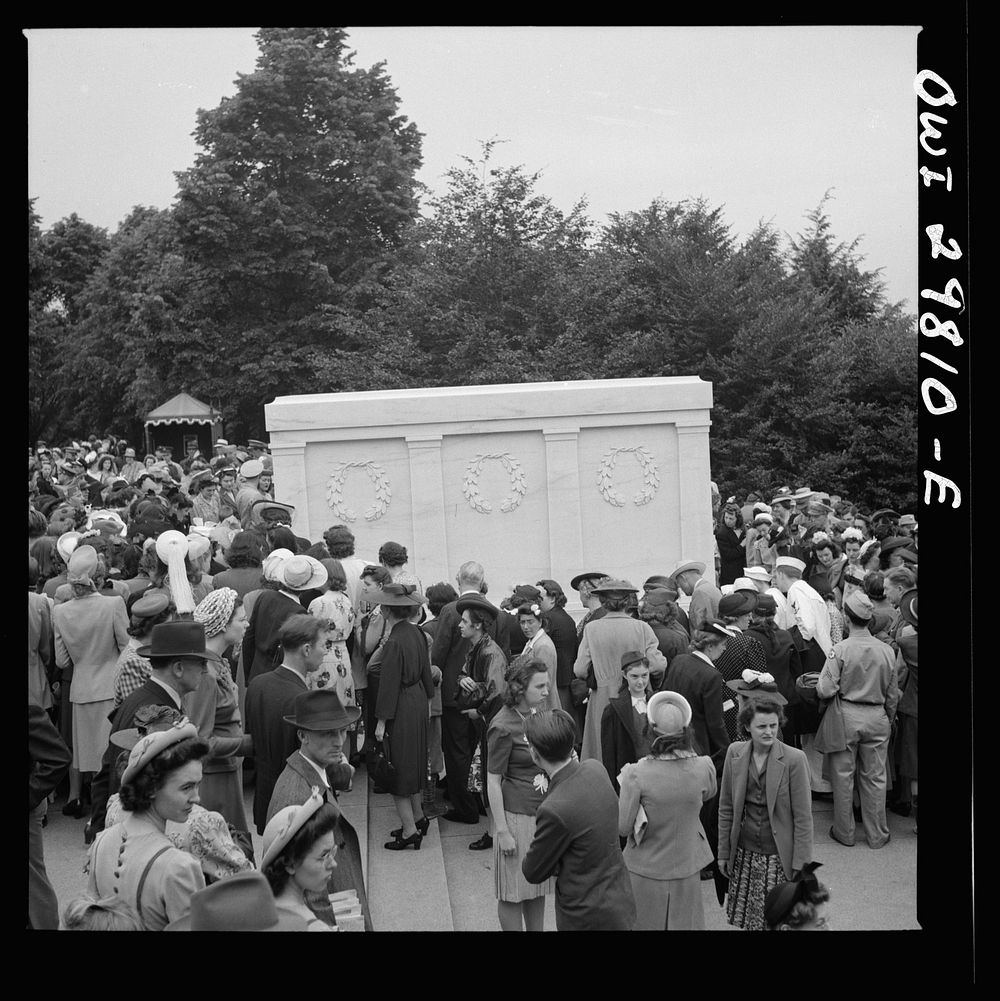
576 833
705 596
271 697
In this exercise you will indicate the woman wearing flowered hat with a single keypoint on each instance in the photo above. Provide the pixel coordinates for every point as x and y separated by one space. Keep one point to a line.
214 709
134 859
662 796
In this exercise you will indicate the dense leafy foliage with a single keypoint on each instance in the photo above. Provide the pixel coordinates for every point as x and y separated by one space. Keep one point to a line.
295 261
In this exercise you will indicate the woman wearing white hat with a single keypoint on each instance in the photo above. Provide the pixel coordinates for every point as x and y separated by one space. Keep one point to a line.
661 800
90 631
134 859
299 855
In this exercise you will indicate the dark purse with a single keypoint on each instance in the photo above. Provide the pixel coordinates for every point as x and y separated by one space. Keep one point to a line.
472 699
383 770
580 688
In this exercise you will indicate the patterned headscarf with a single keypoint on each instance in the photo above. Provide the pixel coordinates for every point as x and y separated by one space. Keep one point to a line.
215 610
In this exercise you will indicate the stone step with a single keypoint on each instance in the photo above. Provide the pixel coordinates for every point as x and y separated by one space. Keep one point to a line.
407 890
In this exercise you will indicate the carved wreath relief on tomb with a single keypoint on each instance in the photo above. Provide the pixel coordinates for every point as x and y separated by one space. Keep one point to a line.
376 473
650 476
470 483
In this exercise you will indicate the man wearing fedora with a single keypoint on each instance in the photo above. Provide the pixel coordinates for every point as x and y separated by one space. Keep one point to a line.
271 698
178 658
705 596
320 723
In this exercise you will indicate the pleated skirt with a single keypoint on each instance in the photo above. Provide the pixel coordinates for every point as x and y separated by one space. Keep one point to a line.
510 884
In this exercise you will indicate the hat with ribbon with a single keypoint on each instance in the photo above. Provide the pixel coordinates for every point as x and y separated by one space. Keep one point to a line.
243 902
802 493
738 603
632 657
321 709
685 565
302 573
668 712
854 575
475 601
719 628
761 574
273 562
766 605
199 544
178 638
271 510
784 496
660 582
589 575
215 610
612 585
399 595
172 548
148 719
82 566
285 824
860 604
758 683
66 543
783 897
153 744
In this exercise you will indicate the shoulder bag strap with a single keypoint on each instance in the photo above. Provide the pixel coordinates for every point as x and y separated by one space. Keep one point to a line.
142 879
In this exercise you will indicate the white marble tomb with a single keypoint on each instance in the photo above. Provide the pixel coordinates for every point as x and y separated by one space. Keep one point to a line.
532 480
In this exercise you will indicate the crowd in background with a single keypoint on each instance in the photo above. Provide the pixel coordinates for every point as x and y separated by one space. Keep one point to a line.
182 639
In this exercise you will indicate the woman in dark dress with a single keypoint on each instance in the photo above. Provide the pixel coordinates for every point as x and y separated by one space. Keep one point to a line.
729 536
404 692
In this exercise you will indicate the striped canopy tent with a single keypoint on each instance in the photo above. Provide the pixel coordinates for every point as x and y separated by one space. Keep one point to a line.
181 422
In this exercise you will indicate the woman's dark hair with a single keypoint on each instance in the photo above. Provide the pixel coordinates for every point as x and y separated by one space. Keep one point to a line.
702 639
665 614
874 584
141 625
335 574
614 602
551 733
50 563
526 610
380 575
282 538
339 540
554 591
803 911
479 618
397 613
32 572
392 554
317 550
245 551
664 743
438 595
827 544
730 509
37 524
323 821
103 459
138 793
759 705
518 678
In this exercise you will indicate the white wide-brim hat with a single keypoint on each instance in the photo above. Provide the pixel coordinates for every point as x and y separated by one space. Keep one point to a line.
688 565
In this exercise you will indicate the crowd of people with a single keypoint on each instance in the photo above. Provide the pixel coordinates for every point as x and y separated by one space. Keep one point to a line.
182 639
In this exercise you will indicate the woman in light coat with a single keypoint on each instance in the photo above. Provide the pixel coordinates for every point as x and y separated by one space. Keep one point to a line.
604 642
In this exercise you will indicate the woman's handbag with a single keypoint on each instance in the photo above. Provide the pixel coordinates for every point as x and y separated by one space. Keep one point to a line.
383 770
473 698
580 689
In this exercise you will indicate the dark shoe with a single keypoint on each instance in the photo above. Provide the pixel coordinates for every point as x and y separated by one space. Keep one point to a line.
74 808
401 844
899 808
484 843
846 844
458 818
422 824
89 833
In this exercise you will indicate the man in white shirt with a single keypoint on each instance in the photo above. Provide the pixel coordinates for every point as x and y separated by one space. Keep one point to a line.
784 618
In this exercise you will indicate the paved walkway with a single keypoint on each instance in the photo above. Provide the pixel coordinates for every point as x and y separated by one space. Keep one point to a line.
447 887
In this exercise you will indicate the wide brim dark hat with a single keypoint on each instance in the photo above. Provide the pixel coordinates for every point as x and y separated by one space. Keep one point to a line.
589 575
258 507
764 693
477 602
322 709
781 898
738 603
613 585
896 542
179 638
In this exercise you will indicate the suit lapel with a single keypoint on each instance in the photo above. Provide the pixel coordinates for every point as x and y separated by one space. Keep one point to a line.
740 775
775 767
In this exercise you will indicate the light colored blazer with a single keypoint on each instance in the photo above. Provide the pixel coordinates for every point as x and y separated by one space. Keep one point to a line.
672 793
90 633
789 802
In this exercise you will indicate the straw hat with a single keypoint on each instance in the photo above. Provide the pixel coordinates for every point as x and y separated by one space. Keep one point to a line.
285 824
301 573
153 743
685 565
66 543
668 712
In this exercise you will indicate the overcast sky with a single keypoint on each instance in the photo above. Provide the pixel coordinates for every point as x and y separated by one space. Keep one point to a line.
759 120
